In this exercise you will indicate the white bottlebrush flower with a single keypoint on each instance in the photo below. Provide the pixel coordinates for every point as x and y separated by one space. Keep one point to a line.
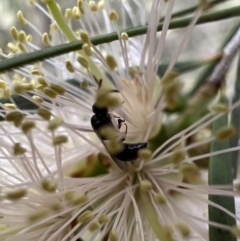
162 196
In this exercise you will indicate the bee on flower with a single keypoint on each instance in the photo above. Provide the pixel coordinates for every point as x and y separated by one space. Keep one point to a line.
127 174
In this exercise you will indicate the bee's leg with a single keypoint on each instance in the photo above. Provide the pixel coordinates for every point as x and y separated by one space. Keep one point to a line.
99 83
125 133
120 121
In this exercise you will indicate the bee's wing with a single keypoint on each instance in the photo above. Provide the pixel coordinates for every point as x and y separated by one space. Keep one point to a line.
122 165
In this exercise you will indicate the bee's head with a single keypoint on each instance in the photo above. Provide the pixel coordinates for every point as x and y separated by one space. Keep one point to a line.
99 110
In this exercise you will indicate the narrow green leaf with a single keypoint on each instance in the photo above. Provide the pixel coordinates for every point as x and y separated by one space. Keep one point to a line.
235 117
220 172
180 67
202 78
51 52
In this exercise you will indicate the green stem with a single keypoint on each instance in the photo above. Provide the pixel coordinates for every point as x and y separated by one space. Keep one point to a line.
107 38
54 10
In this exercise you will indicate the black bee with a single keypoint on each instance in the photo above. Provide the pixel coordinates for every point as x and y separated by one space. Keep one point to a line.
102 118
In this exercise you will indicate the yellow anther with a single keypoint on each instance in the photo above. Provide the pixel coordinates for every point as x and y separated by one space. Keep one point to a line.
160 198
12 47
145 154
69 66
178 156
3 84
219 108
59 89
59 140
6 93
55 123
124 36
18 150
10 106
38 99
14 33
169 78
85 37
93 6
39 87
36 215
45 39
113 16
56 207
33 82
101 4
21 47
146 185
13 115
81 6
108 100
76 198
104 218
50 93
84 84
87 49
68 13
24 80
42 81
22 36
115 146
21 88
16 194
111 62
35 71
48 186
76 13
183 229
21 18
85 217
16 77
29 38
53 28
68 195
225 133
235 231
93 226
32 2
83 61
113 235
188 168
27 126
44 113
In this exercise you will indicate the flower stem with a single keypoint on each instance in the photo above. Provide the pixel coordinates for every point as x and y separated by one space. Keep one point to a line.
220 173
235 117
107 38
207 71
54 10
